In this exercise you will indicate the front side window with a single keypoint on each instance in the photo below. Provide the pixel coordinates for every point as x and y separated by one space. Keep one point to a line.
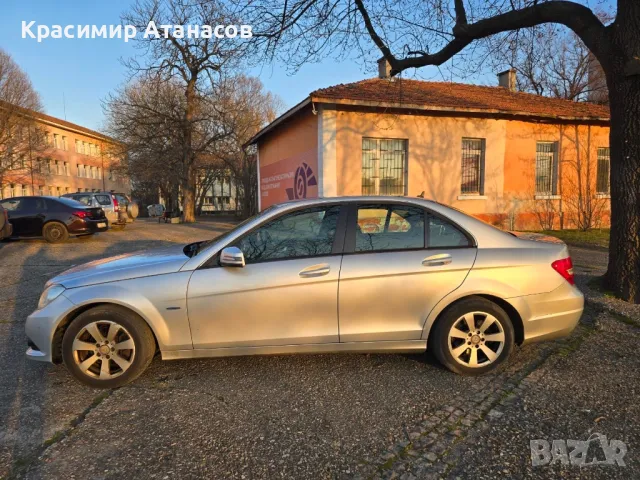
389 227
604 166
384 166
303 233
546 168
472 166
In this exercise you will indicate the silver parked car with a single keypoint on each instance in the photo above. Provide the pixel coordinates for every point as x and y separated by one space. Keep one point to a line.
365 274
115 212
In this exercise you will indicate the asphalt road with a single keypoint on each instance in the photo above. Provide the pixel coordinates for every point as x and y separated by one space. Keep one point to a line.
307 416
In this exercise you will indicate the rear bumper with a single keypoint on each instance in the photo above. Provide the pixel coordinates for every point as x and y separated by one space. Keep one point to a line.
551 315
89 226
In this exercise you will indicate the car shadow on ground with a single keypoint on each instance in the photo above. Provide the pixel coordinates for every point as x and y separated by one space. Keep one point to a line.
37 399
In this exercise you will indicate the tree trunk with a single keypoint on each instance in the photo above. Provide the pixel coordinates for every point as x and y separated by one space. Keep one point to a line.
189 196
623 273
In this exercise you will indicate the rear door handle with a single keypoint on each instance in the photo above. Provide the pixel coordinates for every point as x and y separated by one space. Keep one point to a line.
315 270
437 260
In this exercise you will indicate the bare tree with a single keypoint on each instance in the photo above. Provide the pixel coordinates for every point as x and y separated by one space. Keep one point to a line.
249 107
194 65
145 119
416 33
20 138
551 60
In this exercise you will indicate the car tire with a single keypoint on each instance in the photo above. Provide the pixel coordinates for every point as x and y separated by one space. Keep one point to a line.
96 334
133 211
55 232
476 351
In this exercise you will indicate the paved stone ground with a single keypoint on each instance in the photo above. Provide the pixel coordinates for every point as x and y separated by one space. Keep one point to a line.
322 416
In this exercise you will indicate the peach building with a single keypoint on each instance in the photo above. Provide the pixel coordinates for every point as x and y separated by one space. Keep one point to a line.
71 159
517 160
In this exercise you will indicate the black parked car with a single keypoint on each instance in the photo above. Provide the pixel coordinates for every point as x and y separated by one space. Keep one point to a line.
53 218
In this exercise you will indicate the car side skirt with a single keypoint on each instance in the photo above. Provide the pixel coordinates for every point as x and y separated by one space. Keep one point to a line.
405 346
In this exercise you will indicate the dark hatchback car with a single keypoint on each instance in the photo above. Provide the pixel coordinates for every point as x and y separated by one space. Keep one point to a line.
53 218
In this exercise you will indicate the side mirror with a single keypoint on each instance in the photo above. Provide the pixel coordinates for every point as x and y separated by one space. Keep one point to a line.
232 257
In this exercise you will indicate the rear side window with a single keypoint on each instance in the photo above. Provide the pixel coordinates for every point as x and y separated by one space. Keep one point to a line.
103 199
11 205
389 227
33 203
86 199
443 234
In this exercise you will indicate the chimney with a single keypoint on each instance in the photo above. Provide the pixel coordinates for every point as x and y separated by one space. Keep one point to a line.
384 69
507 79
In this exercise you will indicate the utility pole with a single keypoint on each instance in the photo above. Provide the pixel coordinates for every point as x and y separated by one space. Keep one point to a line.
104 188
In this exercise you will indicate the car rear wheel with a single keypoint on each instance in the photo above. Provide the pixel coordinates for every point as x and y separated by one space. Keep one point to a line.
473 337
107 347
54 232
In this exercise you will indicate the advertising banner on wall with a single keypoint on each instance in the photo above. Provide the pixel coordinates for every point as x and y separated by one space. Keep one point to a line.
292 178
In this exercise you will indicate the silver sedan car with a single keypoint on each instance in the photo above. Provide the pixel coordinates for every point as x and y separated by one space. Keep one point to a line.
357 274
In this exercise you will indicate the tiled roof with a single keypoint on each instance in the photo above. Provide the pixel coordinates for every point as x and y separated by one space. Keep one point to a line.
405 93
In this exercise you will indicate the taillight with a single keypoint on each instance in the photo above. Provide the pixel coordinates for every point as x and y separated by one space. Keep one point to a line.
115 203
81 214
565 268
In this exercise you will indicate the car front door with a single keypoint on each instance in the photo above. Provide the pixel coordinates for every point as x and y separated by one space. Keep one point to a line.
286 294
399 261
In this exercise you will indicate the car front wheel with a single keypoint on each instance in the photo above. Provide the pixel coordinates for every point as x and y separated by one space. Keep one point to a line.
473 337
107 346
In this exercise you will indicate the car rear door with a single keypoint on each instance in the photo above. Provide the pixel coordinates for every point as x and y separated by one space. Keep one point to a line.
28 216
286 294
399 261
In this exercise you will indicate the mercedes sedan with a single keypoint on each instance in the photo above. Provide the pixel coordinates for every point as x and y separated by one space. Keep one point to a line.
361 274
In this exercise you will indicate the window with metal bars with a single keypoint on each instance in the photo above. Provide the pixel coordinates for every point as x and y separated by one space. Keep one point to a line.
604 166
472 182
384 166
546 168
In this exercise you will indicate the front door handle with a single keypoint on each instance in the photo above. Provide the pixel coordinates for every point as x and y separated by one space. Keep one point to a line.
315 270
437 260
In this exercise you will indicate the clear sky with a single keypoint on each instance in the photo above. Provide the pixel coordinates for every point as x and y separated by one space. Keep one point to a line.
85 71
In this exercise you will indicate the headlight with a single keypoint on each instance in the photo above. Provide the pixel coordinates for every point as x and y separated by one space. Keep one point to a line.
49 295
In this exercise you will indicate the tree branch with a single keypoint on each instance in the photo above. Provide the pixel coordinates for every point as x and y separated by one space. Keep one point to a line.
577 17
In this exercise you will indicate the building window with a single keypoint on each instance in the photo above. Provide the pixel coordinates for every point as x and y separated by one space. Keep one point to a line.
472 166
56 141
51 190
604 167
66 190
546 168
66 169
25 190
384 166
79 171
78 146
64 143
41 190
99 173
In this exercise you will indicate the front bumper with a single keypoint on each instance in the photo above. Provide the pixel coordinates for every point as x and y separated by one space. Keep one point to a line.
41 326
551 315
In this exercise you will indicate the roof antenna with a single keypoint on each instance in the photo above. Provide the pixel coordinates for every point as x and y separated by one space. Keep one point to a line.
421 195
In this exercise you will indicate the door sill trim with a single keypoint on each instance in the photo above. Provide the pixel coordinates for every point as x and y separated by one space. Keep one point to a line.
404 346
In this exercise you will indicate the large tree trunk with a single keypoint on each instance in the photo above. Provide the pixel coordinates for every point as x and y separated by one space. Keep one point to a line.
623 273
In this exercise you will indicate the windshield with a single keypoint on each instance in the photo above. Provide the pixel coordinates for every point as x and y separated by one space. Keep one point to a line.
194 249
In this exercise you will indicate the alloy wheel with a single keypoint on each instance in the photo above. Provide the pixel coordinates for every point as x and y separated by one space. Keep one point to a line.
476 339
103 349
